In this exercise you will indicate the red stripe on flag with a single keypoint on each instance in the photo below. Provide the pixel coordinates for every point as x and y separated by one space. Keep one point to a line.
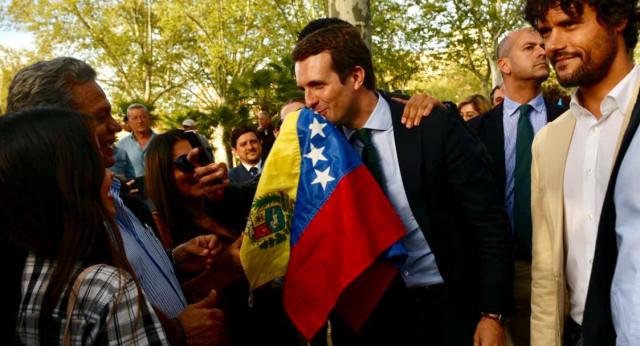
355 225
360 298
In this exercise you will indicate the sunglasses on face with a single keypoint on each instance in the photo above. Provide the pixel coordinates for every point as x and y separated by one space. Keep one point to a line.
183 165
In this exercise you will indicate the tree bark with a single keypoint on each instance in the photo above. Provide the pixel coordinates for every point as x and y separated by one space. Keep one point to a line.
356 12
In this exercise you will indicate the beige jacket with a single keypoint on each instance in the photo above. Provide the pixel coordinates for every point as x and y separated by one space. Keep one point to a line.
549 296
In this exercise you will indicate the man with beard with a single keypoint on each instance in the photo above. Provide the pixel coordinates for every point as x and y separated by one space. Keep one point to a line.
590 45
507 132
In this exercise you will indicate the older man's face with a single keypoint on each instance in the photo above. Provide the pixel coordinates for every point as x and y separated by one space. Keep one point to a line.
90 99
139 120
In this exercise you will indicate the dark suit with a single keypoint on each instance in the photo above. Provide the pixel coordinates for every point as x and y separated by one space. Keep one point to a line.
240 174
266 140
597 325
490 129
446 176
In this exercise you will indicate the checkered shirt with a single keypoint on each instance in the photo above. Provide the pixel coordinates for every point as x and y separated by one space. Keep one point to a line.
107 305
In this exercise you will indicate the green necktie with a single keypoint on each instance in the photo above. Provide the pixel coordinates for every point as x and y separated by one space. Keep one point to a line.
522 183
369 155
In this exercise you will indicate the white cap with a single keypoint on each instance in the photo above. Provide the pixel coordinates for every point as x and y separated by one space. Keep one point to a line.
189 122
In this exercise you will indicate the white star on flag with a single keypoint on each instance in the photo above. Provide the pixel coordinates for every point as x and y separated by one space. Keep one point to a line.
323 178
316 155
316 128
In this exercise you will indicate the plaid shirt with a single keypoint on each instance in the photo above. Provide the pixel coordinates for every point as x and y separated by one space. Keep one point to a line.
107 305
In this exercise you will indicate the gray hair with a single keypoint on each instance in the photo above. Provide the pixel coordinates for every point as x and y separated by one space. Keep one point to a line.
137 106
48 83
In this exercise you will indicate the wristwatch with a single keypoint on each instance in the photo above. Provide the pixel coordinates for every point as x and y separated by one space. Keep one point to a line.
500 318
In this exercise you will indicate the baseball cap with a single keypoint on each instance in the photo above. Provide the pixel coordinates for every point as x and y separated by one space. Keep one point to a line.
189 122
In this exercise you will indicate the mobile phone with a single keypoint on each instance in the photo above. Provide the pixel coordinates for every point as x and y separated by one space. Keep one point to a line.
204 156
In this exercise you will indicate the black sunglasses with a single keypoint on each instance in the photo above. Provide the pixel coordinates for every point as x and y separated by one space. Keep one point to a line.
183 165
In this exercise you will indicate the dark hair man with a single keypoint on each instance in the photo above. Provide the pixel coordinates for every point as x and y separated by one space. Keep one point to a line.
590 45
497 94
135 144
507 133
70 83
245 145
457 278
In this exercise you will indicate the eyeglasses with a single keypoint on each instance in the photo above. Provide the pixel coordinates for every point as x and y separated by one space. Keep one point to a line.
183 165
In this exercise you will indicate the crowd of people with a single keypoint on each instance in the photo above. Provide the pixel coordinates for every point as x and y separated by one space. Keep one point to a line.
521 215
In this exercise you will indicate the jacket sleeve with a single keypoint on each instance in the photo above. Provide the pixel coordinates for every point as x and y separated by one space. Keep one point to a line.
469 173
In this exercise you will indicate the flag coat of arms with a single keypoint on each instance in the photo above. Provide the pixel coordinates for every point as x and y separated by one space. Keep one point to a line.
320 220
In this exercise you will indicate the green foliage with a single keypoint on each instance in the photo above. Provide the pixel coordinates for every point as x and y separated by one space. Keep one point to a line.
467 32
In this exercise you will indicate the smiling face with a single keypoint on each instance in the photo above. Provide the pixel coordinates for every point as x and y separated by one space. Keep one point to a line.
580 48
187 184
324 92
248 148
90 99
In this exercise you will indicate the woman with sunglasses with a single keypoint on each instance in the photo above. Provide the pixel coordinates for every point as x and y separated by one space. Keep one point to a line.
77 286
176 192
174 189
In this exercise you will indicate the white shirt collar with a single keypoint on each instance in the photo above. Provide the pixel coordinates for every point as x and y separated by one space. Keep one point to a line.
379 120
248 166
618 98
511 107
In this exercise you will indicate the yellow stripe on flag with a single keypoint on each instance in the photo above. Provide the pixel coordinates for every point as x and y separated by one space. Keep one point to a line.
265 248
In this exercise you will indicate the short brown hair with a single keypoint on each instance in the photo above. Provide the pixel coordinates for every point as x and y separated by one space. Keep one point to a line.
346 47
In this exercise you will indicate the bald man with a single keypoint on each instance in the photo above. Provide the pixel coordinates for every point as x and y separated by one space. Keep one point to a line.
507 131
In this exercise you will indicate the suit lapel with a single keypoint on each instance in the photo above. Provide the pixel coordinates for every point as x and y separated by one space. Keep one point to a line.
408 151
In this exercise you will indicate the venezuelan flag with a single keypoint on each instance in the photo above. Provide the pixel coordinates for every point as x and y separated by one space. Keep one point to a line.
320 219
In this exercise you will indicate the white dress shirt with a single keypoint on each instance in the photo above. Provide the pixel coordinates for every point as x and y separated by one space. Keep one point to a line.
257 165
625 288
586 176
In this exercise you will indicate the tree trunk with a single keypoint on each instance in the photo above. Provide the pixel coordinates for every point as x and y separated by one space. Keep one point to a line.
356 12
496 75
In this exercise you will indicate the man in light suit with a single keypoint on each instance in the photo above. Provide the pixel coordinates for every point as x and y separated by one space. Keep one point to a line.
590 45
503 130
245 145
457 280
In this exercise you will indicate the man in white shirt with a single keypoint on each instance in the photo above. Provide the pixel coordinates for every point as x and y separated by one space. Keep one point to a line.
589 45
245 145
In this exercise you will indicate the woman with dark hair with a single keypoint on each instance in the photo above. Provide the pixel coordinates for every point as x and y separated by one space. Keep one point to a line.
77 285
174 189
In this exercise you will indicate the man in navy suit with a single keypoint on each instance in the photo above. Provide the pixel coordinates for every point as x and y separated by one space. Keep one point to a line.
245 145
522 61
457 280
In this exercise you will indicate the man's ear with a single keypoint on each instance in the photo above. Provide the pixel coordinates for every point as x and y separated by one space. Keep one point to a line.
504 65
357 73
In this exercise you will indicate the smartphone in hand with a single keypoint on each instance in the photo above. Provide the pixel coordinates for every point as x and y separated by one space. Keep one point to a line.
204 156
